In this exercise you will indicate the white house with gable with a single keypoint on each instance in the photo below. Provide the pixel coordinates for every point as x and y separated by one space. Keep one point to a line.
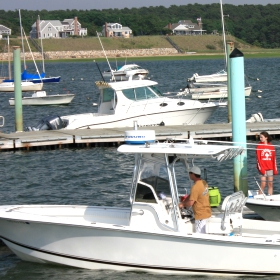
4 30
46 29
116 30
186 27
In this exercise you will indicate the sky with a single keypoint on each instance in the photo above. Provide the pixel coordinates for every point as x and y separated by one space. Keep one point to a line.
112 4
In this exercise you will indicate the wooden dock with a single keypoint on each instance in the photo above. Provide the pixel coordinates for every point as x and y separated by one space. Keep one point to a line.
56 139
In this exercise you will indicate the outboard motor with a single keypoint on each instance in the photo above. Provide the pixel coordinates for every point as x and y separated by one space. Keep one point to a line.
48 123
258 117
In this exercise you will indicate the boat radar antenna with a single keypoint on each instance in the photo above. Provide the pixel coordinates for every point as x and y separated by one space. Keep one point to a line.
106 57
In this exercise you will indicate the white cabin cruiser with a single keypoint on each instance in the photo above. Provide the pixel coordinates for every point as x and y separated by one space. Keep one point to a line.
122 103
151 235
124 72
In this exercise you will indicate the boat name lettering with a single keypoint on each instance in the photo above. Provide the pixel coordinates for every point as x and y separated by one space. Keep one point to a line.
135 136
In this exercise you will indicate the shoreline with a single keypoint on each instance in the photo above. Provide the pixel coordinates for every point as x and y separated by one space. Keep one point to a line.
134 54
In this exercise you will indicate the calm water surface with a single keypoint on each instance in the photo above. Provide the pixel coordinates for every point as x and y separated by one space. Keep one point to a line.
101 176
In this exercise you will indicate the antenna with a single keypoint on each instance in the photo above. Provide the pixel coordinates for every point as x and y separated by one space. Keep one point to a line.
24 63
224 36
99 70
106 57
9 59
43 61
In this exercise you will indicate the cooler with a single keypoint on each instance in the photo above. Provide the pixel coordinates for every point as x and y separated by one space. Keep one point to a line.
214 196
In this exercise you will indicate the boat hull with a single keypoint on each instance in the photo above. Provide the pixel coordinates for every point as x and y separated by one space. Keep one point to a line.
25 86
94 245
179 117
217 94
268 209
47 80
37 80
62 99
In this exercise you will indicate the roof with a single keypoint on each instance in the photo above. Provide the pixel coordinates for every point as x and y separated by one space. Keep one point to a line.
126 84
2 27
183 25
44 23
219 152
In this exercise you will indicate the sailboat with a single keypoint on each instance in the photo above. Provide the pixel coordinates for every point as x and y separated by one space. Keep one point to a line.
34 77
7 85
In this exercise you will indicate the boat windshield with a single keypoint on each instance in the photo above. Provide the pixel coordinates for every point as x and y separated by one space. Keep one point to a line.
142 93
153 181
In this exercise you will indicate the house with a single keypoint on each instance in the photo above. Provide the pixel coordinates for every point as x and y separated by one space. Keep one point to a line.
186 27
57 29
5 30
116 30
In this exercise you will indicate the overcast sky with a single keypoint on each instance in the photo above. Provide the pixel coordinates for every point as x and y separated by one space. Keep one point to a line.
107 4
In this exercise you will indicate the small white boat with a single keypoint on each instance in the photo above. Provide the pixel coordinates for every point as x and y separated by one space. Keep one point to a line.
220 76
25 86
218 94
203 87
152 232
126 71
122 103
268 207
41 98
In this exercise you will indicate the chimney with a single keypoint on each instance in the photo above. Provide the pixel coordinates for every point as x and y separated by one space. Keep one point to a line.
169 26
106 30
76 26
37 28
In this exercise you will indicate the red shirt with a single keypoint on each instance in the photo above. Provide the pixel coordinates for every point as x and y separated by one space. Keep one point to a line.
266 158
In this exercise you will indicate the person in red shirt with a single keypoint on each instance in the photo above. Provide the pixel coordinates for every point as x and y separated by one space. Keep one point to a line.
266 161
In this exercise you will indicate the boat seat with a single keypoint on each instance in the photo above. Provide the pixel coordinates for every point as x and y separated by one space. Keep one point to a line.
230 217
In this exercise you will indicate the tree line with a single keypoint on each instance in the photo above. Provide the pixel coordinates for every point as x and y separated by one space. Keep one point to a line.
255 24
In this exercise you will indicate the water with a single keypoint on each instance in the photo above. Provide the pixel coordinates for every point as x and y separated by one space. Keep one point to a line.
101 176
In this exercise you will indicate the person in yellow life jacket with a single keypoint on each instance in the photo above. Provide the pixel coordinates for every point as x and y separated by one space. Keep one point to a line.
198 199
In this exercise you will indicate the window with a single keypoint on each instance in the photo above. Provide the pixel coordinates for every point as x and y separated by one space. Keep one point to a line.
141 93
108 94
156 90
129 93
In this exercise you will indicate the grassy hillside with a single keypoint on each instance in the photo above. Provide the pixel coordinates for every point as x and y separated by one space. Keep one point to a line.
205 44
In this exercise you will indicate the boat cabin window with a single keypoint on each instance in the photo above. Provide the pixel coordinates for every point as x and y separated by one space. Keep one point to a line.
156 90
141 93
108 94
153 181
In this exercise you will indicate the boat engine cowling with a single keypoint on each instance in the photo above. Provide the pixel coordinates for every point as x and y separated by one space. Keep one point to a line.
48 123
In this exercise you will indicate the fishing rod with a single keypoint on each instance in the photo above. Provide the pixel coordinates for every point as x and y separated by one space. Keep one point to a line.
99 70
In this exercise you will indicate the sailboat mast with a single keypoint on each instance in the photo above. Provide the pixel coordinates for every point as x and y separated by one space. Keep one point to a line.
224 34
106 57
24 63
43 61
9 60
